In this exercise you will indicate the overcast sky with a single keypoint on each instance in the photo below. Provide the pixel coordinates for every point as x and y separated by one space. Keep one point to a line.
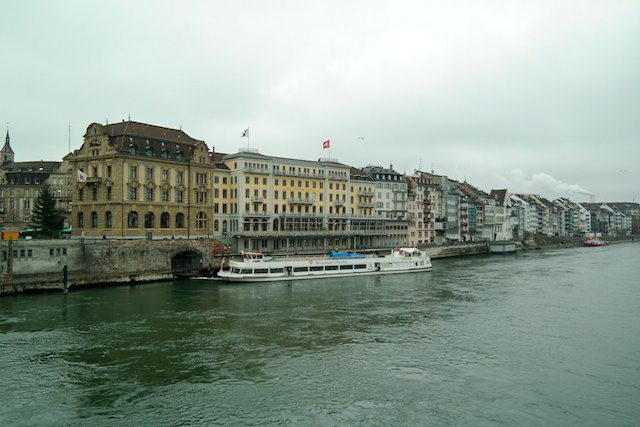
537 96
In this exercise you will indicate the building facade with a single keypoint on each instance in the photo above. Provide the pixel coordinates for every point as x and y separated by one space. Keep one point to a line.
137 180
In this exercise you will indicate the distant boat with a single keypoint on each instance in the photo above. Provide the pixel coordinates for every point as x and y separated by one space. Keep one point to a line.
257 267
595 241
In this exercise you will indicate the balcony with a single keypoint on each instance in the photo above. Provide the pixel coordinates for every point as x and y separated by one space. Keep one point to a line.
300 202
338 203
96 180
366 193
308 233
258 199
367 205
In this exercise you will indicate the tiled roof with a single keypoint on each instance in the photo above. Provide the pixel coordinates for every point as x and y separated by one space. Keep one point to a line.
146 131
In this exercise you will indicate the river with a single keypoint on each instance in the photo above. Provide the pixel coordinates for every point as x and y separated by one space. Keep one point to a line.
548 337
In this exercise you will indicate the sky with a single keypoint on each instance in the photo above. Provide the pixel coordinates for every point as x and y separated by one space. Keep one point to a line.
536 96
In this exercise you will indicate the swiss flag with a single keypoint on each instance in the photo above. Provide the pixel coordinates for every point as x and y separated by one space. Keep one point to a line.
325 144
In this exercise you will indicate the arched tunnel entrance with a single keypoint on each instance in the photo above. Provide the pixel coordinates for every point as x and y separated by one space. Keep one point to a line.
186 263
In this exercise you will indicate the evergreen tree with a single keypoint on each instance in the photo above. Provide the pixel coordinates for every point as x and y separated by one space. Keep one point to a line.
45 218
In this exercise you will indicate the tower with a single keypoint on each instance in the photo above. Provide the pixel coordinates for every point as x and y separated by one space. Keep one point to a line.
6 154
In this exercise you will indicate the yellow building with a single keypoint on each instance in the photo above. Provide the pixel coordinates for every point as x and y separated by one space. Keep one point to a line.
278 204
137 180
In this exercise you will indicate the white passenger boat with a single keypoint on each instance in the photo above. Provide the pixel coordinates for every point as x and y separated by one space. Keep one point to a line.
258 267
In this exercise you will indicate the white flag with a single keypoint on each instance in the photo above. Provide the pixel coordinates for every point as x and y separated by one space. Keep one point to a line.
245 134
82 177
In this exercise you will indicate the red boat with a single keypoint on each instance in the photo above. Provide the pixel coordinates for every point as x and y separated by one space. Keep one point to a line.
594 241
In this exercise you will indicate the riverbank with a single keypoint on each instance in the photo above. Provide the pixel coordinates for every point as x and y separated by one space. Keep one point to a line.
38 266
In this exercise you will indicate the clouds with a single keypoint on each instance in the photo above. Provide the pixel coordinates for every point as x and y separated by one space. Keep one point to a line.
544 184
477 89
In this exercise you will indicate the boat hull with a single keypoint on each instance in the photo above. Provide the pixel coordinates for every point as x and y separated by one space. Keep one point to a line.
254 279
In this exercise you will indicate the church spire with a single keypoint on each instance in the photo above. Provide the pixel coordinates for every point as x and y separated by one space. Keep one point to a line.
6 154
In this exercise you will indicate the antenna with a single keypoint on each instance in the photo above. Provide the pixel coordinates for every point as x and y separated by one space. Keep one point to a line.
69 136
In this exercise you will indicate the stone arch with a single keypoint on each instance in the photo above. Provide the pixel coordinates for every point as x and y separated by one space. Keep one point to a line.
187 262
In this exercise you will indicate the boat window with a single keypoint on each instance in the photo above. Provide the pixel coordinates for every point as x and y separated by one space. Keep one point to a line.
316 268
331 267
299 269
277 270
360 266
346 267
261 270
246 271
236 271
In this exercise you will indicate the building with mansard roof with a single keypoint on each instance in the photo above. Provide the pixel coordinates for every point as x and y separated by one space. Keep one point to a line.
137 180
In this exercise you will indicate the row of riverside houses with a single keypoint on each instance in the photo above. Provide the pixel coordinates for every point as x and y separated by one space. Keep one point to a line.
135 180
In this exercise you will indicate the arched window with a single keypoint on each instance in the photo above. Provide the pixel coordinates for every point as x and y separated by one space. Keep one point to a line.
164 220
149 220
201 220
179 155
94 219
215 225
148 151
180 220
132 219
133 149
108 219
80 219
164 153
224 225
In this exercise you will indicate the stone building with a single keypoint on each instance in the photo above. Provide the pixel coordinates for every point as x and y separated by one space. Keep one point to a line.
138 180
392 194
21 182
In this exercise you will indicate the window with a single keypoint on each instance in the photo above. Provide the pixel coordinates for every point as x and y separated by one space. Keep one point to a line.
148 151
133 172
133 193
80 220
80 194
108 219
133 149
215 225
109 193
164 220
201 220
149 174
94 219
149 219
132 220
179 220
179 196
94 194
109 170
165 195
165 174
150 194
179 176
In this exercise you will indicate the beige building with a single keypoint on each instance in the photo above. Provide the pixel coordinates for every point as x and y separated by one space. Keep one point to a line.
137 180
278 204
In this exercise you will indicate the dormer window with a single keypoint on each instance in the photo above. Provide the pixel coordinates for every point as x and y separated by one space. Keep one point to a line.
164 153
133 149
148 151
179 155
95 143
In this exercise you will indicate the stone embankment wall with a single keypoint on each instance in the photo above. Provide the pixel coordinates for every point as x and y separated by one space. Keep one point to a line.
461 249
38 264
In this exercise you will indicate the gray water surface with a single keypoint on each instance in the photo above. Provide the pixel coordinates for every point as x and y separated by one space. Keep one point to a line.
539 338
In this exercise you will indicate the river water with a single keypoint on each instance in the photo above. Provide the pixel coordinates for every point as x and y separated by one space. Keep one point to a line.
540 338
